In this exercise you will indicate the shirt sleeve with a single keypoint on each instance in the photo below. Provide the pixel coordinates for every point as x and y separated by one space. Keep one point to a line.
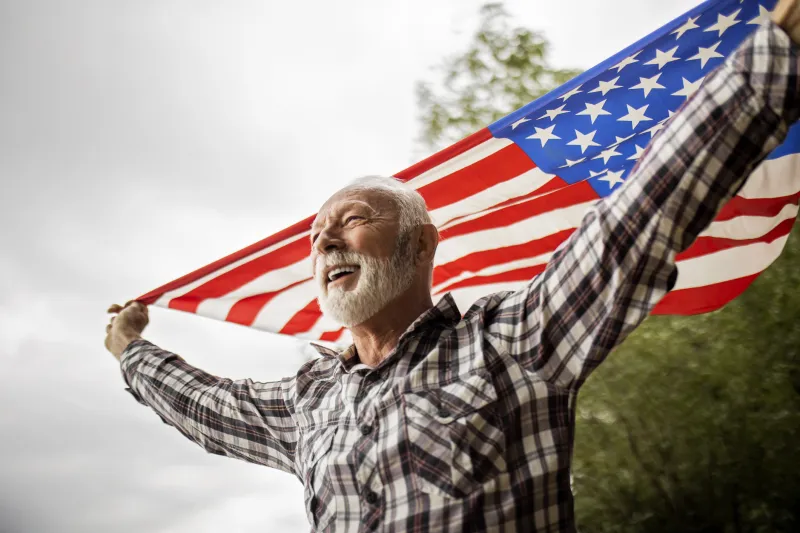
242 419
620 262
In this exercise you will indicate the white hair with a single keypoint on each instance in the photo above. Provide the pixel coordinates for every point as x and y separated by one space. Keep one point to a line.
411 207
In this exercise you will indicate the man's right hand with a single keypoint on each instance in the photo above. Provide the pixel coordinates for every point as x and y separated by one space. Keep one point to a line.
787 15
125 327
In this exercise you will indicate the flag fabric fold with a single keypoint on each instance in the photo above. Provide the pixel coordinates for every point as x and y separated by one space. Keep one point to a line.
507 196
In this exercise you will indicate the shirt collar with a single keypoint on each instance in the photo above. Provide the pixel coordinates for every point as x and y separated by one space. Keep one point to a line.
444 312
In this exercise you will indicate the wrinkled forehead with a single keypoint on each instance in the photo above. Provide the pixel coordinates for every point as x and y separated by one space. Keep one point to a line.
371 201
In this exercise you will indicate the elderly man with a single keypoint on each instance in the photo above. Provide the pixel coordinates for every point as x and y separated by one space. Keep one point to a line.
434 421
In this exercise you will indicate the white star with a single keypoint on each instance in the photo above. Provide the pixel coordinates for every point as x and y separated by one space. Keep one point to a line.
553 113
584 140
570 94
648 84
689 88
635 116
607 154
520 121
655 129
638 154
544 135
627 61
763 16
620 140
724 22
704 54
688 25
605 86
612 178
592 173
571 163
662 58
594 110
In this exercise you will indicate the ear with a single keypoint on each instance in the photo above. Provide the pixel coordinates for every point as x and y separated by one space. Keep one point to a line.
427 241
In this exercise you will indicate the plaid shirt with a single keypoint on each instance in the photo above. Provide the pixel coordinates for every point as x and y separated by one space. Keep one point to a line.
468 424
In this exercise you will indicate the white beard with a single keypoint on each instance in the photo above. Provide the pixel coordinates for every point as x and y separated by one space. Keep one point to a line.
380 281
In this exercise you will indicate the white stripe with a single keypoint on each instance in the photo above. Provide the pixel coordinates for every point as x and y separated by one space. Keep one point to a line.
473 155
774 178
271 281
729 264
495 269
535 227
748 227
277 313
525 183
164 299
324 324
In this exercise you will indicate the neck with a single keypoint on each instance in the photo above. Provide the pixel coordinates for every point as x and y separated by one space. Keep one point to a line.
377 337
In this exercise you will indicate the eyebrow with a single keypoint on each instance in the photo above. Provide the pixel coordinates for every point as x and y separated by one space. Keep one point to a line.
350 204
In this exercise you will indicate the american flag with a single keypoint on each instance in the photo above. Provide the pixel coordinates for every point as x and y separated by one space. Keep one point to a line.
505 197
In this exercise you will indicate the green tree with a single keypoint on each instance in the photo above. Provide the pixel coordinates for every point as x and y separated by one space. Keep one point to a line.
693 424
504 68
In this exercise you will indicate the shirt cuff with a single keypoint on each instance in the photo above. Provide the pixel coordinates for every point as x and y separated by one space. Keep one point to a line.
772 65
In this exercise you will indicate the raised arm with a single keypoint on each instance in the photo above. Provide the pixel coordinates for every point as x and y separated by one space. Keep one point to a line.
621 261
242 419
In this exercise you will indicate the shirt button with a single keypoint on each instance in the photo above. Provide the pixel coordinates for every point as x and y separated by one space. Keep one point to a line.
443 413
366 429
372 498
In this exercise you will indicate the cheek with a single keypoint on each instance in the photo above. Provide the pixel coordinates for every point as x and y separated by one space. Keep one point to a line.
373 243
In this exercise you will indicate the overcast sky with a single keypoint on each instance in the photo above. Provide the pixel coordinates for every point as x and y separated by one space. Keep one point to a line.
141 140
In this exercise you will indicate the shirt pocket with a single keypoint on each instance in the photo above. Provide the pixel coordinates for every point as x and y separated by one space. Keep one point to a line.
315 449
455 436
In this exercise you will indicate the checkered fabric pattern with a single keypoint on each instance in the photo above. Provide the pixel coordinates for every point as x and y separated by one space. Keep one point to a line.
468 424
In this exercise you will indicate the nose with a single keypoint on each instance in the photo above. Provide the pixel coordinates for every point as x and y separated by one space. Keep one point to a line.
327 242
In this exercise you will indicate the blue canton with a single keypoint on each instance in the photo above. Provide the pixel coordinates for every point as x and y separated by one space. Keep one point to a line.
596 126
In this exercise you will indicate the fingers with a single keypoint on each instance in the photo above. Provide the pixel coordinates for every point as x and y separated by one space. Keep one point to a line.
130 303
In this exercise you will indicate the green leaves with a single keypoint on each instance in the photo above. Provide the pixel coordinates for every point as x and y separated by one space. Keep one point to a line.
504 68
700 419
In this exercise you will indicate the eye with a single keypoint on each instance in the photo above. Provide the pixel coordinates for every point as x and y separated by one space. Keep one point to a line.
314 238
353 218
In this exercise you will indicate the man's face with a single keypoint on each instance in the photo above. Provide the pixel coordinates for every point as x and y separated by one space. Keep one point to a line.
361 262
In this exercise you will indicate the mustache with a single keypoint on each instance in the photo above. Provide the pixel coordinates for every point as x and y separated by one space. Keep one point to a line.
335 259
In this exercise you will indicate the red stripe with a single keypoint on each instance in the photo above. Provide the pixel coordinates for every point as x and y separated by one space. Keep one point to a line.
246 310
575 194
554 184
756 207
303 320
233 279
501 166
479 137
477 261
708 245
285 234
331 336
699 300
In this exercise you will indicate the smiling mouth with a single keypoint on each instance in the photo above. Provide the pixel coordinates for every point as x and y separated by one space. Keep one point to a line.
336 274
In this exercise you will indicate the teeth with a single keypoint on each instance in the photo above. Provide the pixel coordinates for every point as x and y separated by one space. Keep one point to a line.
341 270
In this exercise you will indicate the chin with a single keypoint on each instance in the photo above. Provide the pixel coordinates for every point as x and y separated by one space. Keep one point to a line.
351 308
